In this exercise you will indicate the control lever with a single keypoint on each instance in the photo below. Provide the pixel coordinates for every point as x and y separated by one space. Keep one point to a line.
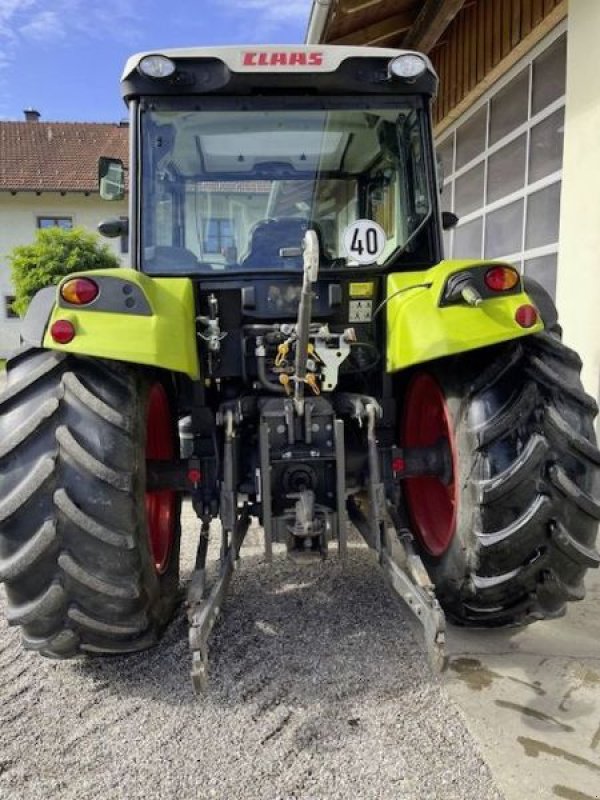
310 276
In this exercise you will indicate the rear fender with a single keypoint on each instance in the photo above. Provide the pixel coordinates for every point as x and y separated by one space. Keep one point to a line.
135 318
421 328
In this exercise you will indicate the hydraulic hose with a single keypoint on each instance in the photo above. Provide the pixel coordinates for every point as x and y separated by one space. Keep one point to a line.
261 363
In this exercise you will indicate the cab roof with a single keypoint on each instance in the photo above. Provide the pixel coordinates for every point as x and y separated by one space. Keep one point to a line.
256 69
237 58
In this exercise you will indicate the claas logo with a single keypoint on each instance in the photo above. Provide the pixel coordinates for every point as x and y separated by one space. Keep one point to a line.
262 59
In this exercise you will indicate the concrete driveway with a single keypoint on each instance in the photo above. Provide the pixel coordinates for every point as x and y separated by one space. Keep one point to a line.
531 698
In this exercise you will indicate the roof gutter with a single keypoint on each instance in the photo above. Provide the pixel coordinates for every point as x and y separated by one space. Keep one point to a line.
318 19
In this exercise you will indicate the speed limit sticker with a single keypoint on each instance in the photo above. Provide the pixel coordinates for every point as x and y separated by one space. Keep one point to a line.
364 241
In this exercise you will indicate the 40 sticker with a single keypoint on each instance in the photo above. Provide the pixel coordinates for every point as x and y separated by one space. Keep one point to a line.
364 241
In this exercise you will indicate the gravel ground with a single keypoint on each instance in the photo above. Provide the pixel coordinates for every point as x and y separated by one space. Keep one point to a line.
319 690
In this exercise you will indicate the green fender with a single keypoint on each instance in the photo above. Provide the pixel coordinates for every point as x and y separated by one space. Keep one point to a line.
420 328
135 318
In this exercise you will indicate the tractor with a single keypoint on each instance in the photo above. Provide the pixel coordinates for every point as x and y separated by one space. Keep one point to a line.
289 345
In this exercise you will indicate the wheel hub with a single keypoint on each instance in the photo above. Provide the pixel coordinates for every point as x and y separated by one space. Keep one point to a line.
161 504
432 502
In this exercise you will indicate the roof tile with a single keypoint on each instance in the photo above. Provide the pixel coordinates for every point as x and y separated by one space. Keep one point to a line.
57 156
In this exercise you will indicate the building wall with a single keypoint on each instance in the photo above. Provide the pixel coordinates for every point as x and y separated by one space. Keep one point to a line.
557 146
578 290
503 166
18 224
484 40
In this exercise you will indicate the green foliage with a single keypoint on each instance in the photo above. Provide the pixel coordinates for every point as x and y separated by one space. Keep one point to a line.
54 254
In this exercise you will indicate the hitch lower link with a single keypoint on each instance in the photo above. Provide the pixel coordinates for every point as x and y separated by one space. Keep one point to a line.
373 515
203 609
384 530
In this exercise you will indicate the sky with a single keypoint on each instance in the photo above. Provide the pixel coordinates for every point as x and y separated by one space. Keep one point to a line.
65 57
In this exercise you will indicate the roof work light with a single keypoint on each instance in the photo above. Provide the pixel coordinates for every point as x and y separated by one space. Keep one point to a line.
408 65
156 66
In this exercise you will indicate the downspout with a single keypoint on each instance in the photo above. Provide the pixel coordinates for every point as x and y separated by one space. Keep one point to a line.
318 18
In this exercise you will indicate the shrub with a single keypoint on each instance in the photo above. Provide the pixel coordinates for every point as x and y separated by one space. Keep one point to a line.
54 254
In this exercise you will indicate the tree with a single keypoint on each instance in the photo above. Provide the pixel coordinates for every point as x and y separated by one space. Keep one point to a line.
54 254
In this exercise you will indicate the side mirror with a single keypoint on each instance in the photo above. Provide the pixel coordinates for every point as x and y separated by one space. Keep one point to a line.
449 220
112 228
111 178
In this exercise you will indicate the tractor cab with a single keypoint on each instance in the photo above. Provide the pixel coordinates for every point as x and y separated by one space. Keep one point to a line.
239 152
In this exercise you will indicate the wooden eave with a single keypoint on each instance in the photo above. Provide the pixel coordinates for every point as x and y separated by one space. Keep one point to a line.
413 24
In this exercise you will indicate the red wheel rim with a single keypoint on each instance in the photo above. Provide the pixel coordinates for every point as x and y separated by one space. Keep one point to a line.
160 506
432 505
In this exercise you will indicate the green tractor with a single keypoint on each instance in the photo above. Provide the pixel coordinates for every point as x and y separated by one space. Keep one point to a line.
289 345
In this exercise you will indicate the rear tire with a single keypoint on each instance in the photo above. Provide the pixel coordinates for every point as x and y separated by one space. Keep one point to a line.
80 570
526 484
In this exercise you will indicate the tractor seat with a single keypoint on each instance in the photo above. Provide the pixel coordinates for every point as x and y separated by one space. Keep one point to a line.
269 236
173 259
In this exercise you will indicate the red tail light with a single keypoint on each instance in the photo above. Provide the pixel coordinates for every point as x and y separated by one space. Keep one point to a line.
526 316
79 291
62 331
501 279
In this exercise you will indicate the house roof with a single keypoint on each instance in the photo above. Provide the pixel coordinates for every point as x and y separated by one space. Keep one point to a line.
57 156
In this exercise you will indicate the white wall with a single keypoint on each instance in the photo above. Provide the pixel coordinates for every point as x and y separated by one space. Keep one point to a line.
18 223
578 289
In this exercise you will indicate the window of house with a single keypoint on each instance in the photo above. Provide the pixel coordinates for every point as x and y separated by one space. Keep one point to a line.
543 270
503 165
471 138
66 223
9 299
218 235
508 108
467 242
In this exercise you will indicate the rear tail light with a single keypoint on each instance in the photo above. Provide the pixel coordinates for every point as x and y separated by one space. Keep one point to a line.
501 279
62 331
526 316
79 291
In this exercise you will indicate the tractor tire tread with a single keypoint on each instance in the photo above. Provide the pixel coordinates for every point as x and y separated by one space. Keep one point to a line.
15 500
532 455
572 548
94 403
545 374
29 426
126 590
49 363
134 626
19 562
60 645
74 550
572 492
508 417
52 600
531 488
74 450
559 432
91 526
